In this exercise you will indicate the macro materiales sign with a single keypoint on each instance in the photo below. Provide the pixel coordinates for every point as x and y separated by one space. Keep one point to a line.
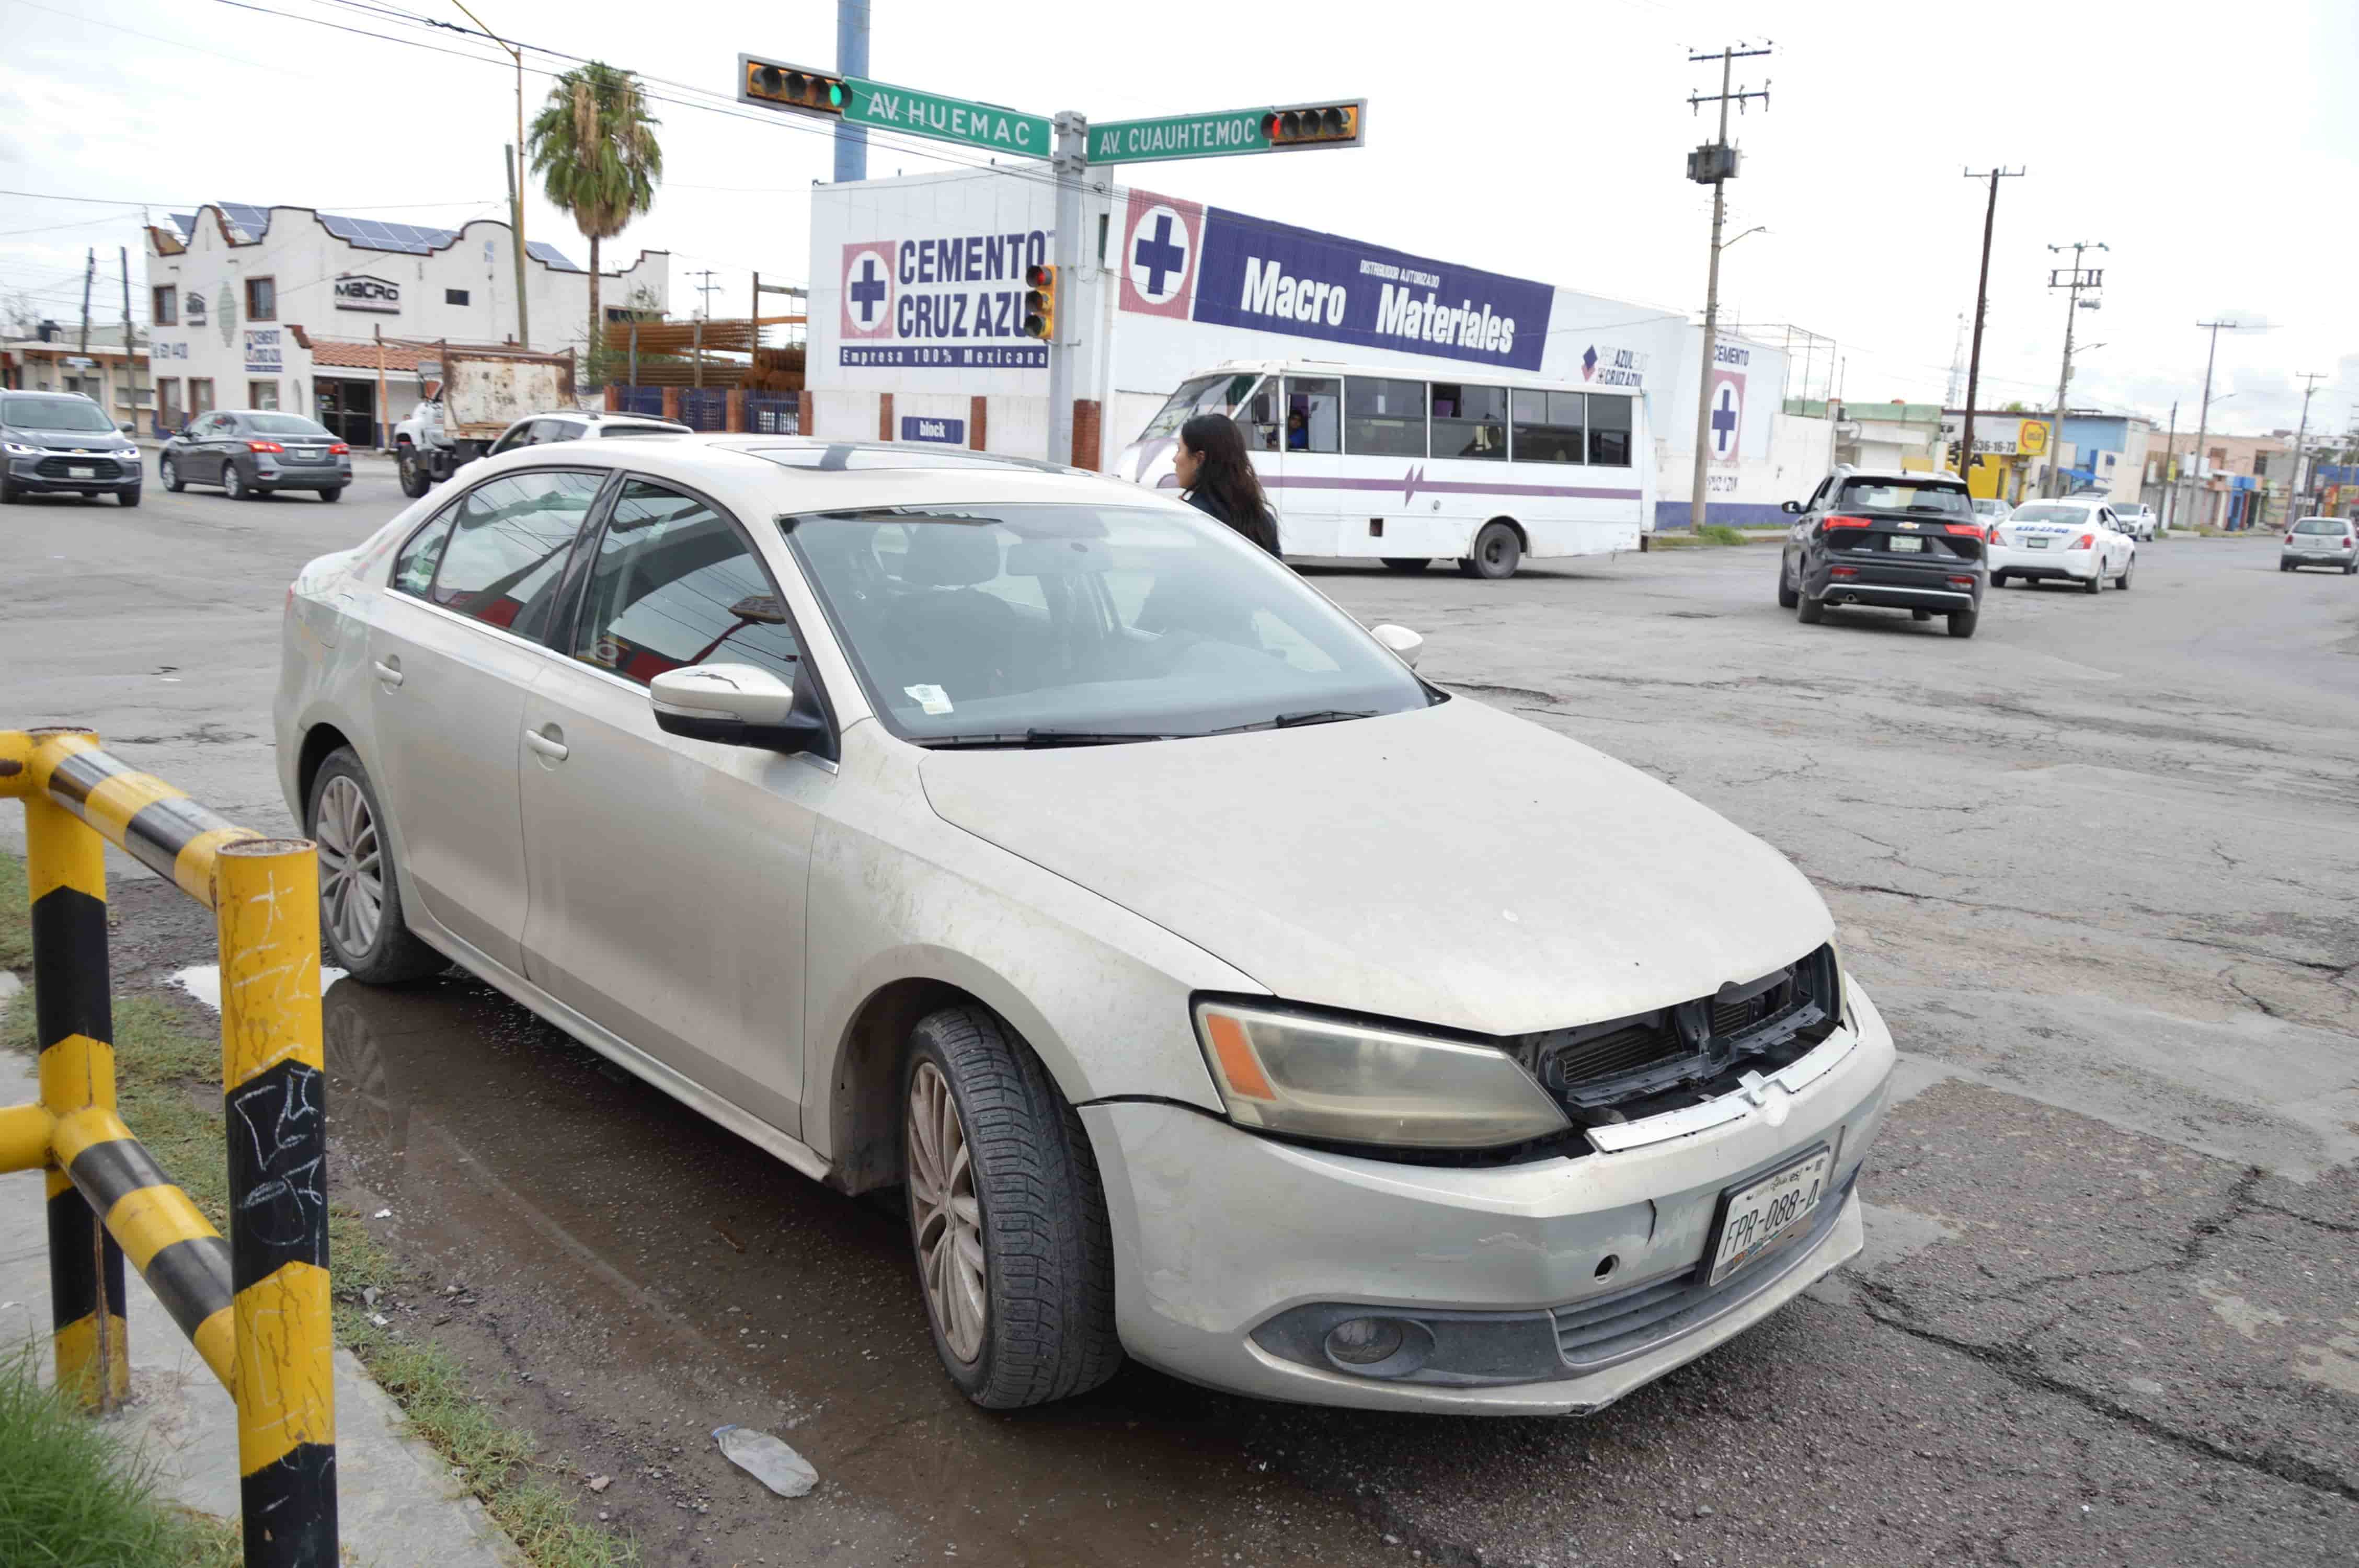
1225 269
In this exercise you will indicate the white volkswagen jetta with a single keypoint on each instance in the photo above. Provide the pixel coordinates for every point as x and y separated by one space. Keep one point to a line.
1218 991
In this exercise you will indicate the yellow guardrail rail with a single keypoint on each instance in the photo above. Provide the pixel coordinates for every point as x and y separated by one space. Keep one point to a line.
256 1306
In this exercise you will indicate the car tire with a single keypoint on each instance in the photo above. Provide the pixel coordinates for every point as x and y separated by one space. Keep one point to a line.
233 484
1963 622
1810 612
415 481
1920 615
2285 566
998 1168
1498 551
127 497
8 492
2128 567
331 492
362 930
1407 563
1787 597
169 472
2096 583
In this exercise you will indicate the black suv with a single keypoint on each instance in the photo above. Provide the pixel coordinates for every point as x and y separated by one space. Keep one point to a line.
61 443
1900 541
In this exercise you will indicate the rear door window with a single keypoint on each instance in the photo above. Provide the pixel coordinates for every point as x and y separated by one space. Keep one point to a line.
508 543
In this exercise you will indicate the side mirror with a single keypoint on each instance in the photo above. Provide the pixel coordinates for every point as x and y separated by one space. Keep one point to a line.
1793 508
736 705
1403 644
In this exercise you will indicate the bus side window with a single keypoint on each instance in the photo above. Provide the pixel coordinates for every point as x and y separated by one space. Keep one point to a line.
1609 430
1264 430
1470 421
1547 427
1384 419
1314 414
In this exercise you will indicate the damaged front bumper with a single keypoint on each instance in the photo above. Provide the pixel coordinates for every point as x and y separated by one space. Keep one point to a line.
1553 1287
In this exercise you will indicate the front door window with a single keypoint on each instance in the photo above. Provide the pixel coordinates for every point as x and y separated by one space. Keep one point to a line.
675 585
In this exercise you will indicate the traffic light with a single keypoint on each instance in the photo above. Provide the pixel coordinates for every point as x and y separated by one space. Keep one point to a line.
797 88
1040 302
1301 125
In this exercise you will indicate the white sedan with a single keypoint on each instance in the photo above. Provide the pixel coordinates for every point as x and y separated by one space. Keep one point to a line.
1217 990
2136 519
2078 542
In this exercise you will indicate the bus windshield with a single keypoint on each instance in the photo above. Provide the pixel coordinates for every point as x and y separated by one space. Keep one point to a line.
1223 393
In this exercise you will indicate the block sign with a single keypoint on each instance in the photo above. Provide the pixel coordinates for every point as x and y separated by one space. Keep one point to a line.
917 427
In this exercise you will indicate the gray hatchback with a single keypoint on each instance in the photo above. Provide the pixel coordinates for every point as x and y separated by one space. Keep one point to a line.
2321 542
253 451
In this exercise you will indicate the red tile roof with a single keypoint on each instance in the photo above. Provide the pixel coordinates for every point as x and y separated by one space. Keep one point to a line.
349 356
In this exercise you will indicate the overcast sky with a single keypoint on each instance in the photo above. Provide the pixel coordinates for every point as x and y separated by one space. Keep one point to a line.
1546 140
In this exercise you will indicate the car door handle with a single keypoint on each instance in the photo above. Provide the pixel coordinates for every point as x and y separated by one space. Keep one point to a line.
389 671
550 744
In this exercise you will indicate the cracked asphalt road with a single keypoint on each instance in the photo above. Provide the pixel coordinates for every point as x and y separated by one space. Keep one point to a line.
2100 866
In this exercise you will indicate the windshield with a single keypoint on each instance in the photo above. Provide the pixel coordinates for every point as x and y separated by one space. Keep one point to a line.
54 414
1894 495
1015 624
1224 394
286 425
2052 515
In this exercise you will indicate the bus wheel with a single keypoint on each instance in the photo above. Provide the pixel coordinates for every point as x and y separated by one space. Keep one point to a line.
1407 563
1498 551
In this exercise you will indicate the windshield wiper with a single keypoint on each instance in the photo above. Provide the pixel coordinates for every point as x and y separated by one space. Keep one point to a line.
1289 720
1040 740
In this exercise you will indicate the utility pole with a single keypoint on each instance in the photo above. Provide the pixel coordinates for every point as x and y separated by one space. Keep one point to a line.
2309 379
2170 467
131 358
704 289
516 179
2081 279
88 274
1713 164
851 59
2203 419
1072 160
1982 305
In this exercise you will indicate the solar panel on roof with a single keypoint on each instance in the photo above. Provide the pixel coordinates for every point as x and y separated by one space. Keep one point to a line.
374 235
251 223
541 250
186 222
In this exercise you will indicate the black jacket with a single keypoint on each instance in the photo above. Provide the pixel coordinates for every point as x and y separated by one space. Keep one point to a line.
1261 530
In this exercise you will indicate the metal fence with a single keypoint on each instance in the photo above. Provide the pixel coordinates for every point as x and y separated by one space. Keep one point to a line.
648 400
773 413
255 1306
704 408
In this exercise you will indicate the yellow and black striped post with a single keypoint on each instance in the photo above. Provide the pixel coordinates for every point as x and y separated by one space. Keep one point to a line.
74 1025
266 905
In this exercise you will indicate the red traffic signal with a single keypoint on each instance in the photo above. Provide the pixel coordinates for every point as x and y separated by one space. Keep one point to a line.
1304 126
1040 302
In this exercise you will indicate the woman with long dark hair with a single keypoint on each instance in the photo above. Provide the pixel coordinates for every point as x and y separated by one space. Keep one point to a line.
1218 479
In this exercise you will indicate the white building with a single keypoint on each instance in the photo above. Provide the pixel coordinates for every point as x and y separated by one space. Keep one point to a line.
917 285
280 306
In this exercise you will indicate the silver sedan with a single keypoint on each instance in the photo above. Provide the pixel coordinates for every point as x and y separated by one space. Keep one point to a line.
1218 991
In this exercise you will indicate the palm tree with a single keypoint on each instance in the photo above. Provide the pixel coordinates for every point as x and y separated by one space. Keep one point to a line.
593 144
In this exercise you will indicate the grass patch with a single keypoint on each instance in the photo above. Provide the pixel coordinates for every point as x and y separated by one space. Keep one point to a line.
72 1497
167 1082
1711 534
1721 534
16 915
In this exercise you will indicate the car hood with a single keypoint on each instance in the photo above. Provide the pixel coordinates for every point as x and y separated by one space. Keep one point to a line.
71 440
1453 866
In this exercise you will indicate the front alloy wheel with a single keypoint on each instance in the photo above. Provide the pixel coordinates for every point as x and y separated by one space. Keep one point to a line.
943 1210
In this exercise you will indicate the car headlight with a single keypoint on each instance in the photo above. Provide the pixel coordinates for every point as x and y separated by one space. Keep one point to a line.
1351 1083
127 453
19 449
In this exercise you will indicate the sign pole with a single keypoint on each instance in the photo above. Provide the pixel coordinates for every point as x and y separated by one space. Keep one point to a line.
1071 161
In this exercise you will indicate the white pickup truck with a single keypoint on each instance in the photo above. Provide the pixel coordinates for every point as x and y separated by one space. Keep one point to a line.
467 398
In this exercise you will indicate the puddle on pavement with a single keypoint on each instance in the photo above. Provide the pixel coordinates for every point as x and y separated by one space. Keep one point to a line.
644 1276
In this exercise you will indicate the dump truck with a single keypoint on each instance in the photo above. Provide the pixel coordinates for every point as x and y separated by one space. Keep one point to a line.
467 395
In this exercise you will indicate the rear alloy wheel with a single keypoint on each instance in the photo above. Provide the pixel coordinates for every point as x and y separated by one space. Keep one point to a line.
360 926
1961 621
169 472
1007 1216
233 483
331 492
2096 583
1920 615
1787 597
1407 563
1498 551
2125 584
1810 612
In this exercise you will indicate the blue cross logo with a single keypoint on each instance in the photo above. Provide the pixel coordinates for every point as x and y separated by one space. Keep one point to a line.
868 293
1724 419
1159 256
